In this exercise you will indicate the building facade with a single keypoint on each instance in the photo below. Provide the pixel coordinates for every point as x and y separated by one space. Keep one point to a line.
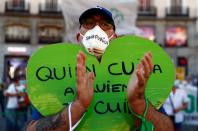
26 25
172 24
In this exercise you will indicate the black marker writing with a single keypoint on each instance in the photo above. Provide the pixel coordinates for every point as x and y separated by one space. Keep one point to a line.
123 70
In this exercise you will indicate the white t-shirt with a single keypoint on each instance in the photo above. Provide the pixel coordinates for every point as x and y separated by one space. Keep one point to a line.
13 101
168 107
178 99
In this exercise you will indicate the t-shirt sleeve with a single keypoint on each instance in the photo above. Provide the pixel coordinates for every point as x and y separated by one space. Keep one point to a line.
36 115
10 89
21 88
162 110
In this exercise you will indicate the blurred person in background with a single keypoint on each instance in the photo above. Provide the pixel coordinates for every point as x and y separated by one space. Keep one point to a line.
23 102
188 83
195 80
13 94
2 98
175 104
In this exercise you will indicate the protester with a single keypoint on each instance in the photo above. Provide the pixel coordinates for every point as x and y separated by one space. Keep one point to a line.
13 94
99 21
175 104
23 103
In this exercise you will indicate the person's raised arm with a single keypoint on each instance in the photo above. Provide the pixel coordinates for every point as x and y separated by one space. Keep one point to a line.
136 97
84 91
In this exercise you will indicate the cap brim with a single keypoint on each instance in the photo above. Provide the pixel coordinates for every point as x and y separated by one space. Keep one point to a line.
94 11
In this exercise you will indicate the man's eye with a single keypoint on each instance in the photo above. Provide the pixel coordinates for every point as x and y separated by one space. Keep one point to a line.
89 23
105 25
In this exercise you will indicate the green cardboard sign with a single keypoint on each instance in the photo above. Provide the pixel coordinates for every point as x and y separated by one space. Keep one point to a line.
52 81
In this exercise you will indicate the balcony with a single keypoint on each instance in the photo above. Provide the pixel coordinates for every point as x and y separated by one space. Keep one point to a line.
11 40
15 7
147 11
50 9
177 11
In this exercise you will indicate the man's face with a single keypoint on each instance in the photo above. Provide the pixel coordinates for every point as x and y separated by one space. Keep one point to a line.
90 22
17 82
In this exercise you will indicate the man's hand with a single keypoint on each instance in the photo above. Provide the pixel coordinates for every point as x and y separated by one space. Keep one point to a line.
136 89
85 83
137 84
183 107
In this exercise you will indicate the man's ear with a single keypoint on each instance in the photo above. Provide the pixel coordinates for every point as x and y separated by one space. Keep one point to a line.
78 37
116 36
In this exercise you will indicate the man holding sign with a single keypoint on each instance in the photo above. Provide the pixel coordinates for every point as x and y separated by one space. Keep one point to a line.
96 30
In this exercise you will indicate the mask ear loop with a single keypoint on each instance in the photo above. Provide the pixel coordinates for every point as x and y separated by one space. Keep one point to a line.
111 36
70 119
81 34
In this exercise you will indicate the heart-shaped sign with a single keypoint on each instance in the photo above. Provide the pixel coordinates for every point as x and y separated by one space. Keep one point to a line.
52 81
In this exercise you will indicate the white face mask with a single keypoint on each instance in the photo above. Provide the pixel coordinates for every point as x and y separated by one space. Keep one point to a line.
96 41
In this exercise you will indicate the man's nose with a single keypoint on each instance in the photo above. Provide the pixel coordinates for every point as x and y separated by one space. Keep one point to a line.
97 23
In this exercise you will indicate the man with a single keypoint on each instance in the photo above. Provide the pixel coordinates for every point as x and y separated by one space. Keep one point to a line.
175 104
13 93
100 20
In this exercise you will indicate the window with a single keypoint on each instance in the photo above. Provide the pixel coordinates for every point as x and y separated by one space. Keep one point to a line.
50 6
146 8
176 2
147 32
19 33
14 66
17 5
144 4
50 34
177 8
176 36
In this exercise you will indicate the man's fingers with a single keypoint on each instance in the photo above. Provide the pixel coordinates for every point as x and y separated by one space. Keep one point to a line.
147 64
91 78
145 67
85 82
81 71
149 60
79 65
83 58
79 74
140 77
90 81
